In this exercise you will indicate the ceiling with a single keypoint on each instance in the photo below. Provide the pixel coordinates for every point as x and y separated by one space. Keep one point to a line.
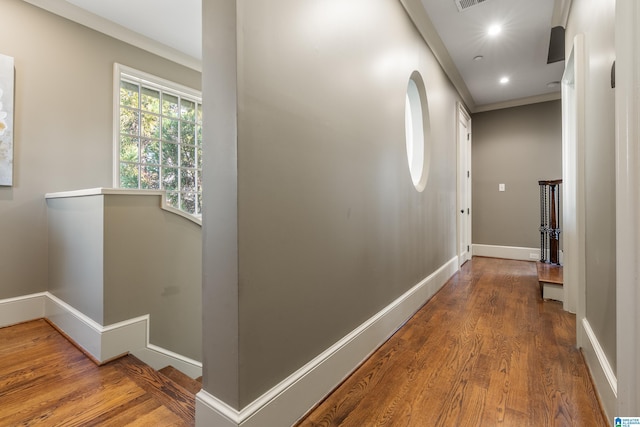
177 24
519 52
171 29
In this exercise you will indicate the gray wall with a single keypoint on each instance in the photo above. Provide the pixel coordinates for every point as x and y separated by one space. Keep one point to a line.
63 126
517 147
595 19
116 257
153 265
76 253
330 227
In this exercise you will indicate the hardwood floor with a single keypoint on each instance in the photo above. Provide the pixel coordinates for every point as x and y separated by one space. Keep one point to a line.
46 381
485 351
549 273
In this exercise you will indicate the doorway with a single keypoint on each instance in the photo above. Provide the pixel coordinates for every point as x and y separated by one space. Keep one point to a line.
464 184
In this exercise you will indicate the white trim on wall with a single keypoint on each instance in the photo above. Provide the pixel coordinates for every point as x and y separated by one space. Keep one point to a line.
627 75
603 375
158 358
464 184
552 291
518 102
22 309
425 27
560 15
290 400
84 331
125 192
573 152
507 252
102 343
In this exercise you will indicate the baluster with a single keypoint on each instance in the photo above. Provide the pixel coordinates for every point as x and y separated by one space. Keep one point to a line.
549 221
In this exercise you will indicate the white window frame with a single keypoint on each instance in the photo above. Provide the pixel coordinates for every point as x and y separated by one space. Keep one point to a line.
122 72
417 131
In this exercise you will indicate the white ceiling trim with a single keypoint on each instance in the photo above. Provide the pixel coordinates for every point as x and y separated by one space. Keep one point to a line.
69 11
561 10
519 102
421 20
425 27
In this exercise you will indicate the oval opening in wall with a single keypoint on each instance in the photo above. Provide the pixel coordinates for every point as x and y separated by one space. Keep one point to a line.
417 131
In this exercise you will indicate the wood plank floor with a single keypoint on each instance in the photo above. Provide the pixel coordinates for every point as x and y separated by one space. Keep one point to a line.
549 273
485 351
46 381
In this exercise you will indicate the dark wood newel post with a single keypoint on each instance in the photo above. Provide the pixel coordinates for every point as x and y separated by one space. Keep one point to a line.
554 249
549 221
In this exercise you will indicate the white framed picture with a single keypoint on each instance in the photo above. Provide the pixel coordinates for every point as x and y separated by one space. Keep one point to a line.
6 120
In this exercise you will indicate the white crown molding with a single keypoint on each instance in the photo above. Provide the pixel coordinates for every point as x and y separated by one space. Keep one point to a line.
519 102
560 15
421 20
76 14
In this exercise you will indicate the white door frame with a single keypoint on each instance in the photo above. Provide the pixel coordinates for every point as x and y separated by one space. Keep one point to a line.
573 186
627 80
463 211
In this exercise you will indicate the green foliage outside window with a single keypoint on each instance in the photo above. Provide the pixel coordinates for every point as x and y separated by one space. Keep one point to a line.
161 144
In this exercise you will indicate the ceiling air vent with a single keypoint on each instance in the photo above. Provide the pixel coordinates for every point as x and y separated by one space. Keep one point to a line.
465 4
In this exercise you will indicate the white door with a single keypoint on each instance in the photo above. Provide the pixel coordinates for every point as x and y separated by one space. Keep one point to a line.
464 185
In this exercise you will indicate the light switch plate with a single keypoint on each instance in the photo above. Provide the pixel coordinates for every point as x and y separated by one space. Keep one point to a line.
500 187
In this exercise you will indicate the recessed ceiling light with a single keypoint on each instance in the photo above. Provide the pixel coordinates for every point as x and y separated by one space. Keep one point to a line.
494 30
504 80
478 58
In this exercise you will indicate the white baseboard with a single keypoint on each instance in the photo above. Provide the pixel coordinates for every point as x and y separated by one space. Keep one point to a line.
508 252
211 412
552 291
22 309
606 383
290 400
158 358
102 343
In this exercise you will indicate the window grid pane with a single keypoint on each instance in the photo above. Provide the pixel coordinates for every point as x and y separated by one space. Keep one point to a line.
161 143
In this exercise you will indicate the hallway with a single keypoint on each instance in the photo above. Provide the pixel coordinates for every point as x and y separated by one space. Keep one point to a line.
484 351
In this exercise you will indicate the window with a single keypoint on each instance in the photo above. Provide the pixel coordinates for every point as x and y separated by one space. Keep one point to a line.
417 131
159 138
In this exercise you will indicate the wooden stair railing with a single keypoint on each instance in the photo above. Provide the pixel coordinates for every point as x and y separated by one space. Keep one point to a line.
549 268
550 221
